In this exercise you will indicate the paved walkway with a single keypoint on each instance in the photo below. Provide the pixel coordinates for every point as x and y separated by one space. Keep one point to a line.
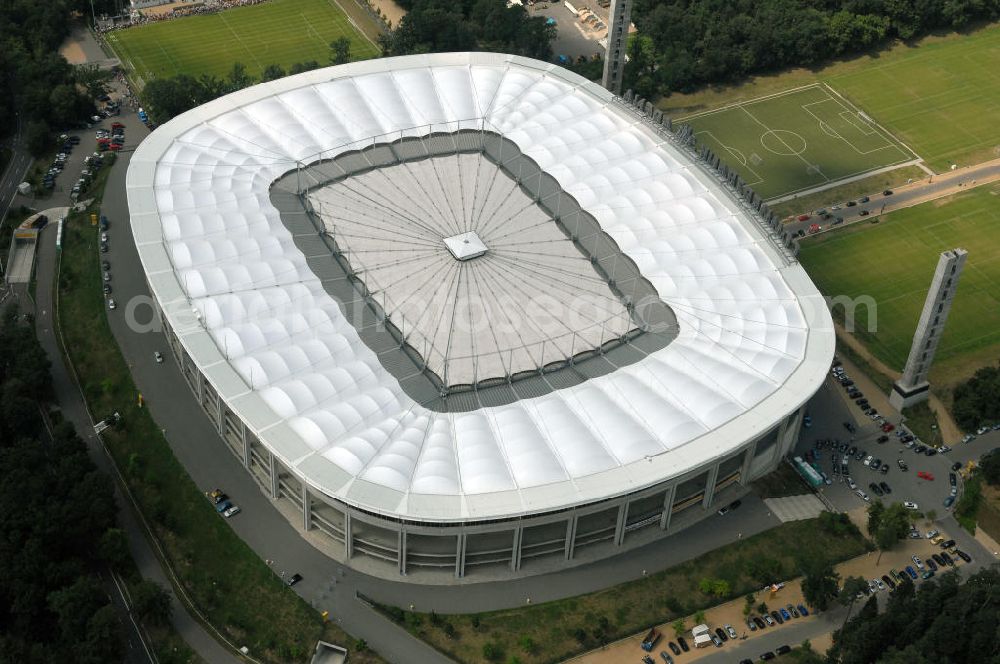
796 508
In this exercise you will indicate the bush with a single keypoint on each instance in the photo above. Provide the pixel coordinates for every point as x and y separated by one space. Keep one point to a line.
491 651
977 401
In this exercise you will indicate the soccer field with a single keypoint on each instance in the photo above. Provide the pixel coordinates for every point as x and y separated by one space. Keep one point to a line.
280 32
894 262
795 140
937 95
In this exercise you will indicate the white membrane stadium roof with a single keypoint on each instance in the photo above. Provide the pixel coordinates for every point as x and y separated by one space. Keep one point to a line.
755 337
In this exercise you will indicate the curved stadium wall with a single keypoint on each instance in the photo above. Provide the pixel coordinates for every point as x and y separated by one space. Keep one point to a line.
292 236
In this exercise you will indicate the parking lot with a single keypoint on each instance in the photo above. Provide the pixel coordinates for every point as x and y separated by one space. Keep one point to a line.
573 39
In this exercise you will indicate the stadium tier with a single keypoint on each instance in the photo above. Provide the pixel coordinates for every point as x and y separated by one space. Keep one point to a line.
470 311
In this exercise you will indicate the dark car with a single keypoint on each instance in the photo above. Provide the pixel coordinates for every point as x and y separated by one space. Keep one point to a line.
931 451
646 659
947 544
667 659
931 565
803 610
876 489
107 289
293 579
912 572
882 439
783 650
766 656
885 487
956 466
674 648
889 582
947 559
952 479
863 199
850 427
887 192
721 634
963 555
902 465
918 449
792 610
736 503
757 620
884 469
938 559
683 643
777 618
863 213
949 501
106 266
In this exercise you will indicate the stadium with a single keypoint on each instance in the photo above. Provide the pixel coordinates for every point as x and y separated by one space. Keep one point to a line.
469 314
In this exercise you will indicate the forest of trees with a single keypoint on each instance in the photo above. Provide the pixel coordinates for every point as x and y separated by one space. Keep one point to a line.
687 43
977 400
35 80
944 621
57 523
435 26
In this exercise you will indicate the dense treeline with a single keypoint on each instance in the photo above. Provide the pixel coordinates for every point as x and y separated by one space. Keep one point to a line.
436 26
686 43
35 81
56 514
943 621
977 401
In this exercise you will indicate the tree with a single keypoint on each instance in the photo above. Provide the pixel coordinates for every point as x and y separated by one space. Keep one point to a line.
300 67
340 51
699 617
748 605
151 602
989 466
491 651
875 512
931 516
819 583
679 627
113 548
853 587
272 73
75 604
238 78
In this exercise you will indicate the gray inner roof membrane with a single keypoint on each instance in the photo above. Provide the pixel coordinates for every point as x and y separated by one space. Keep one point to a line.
552 303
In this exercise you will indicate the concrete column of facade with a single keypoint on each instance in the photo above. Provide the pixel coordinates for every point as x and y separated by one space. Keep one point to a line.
619 17
348 535
790 428
515 552
713 477
668 506
199 379
620 523
747 463
460 555
306 508
571 536
401 552
220 417
272 464
246 445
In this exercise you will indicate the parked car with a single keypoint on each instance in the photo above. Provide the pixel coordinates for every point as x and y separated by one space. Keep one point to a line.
667 659
912 572
792 610
674 648
777 617
902 465
293 579
916 561
947 559
235 509
782 650
766 656
682 642
803 610
949 501
885 487
910 505
223 506
732 632
785 614
721 635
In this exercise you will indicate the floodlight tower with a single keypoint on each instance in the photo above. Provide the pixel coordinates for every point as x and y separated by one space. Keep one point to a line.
912 387
619 18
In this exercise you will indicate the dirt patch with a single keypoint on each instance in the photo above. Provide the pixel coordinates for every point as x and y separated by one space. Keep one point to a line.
160 10
390 10
73 52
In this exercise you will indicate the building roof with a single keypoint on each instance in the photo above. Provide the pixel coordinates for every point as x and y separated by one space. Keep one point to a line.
753 340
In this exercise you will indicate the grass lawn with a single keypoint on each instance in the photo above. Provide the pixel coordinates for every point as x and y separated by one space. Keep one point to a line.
782 481
894 262
922 421
938 95
555 631
279 32
796 140
227 581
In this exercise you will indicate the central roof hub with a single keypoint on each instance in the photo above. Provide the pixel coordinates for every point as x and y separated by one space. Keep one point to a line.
465 246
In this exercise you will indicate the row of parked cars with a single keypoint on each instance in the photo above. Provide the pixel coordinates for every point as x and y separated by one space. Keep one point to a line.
223 505
65 148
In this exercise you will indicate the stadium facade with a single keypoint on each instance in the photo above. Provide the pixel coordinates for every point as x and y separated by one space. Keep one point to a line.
467 311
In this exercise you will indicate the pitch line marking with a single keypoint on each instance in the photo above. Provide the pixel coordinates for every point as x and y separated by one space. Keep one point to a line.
737 154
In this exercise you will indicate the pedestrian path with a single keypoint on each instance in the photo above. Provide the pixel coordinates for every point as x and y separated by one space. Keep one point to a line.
795 508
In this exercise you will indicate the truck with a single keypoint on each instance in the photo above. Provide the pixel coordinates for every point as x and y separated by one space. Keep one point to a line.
703 641
650 640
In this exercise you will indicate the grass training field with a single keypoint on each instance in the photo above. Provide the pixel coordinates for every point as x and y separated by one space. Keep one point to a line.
937 95
796 140
894 262
279 32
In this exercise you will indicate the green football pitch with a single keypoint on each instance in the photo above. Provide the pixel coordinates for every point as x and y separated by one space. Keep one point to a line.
796 140
893 264
280 32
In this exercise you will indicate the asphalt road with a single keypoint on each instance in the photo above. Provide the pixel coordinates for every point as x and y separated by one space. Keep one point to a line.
927 189
20 162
